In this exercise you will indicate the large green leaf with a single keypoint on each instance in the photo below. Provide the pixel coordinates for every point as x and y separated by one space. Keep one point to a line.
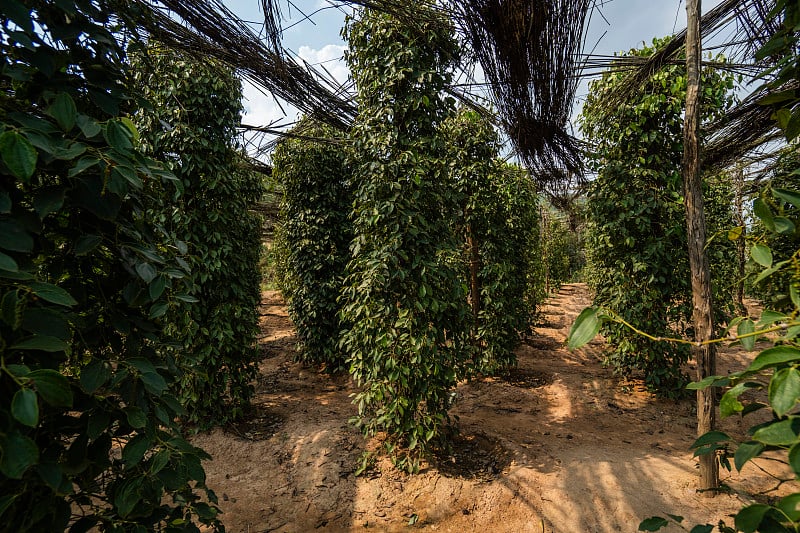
792 197
746 327
65 112
748 519
774 356
654 523
25 407
762 211
8 263
782 433
745 452
585 328
52 386
14 237
52 293
18 454
134 450
95 375
44 343
762 255
784 390
117 135
18 154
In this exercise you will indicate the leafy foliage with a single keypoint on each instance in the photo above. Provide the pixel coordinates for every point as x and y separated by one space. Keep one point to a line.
637 238
404 297
195 110
316 233
500 229
780 365
87 418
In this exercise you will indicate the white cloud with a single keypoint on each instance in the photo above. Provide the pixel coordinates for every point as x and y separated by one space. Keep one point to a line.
329 57
261 109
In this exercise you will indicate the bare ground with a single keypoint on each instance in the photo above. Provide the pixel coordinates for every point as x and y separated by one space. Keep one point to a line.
559 445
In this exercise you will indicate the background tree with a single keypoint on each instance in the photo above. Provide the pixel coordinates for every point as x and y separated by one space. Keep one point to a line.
87 416
195 110
404 298
316 232
637 237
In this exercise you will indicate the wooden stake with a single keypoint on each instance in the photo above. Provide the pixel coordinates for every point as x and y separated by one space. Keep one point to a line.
696 234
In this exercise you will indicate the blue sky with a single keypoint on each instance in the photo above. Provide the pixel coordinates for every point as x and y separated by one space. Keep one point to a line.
624 24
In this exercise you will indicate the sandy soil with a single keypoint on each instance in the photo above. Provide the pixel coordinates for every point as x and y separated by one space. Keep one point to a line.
560 445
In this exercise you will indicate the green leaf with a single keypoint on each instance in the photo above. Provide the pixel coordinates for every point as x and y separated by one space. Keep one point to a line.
791 197
790 505
45 321
770 317
585 328
157 286
136 417
94 376
712 437
748 519
745 452
765 274
52 293
794 294
18 454
762 211
88 126
709 381
87 243
706 528
128 495
48 200
159 460
83 163
794 459
25 407
154 382
762 255
654 523
782 433
729 404
52 387
64 111
13 237
784 226
746 327
776 355
117 135
8 263
784 390
135 449
18 154
5 203
44 343
146 271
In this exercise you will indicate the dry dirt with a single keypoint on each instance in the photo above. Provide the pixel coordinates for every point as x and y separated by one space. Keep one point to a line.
559 445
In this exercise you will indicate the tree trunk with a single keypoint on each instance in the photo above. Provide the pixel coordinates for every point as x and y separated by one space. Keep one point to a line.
696 234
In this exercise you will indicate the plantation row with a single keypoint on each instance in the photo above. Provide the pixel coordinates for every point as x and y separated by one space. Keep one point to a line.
411 254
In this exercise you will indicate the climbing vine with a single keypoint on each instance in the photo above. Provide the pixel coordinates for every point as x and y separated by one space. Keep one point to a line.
316 232
637 240
196 108
404 298
88 437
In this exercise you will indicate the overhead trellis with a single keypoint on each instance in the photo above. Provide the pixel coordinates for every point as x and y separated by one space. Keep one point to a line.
206 28
529 51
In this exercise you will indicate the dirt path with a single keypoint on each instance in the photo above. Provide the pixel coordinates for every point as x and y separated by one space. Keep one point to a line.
559 445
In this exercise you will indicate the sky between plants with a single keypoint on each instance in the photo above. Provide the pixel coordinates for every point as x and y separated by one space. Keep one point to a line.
618 25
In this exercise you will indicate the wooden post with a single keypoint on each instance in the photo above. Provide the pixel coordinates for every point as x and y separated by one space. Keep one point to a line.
696 234
474 282
741 252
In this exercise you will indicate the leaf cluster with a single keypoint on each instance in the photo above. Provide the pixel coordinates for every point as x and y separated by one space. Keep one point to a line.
194 110
88 437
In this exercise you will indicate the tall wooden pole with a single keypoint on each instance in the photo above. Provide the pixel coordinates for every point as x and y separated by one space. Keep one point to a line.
696 233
